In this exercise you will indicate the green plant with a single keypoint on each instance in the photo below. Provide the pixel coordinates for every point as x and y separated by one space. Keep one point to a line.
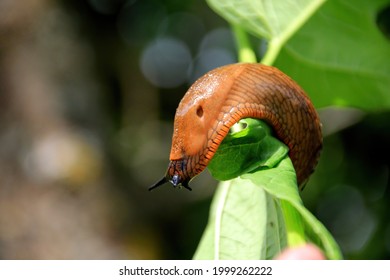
259 211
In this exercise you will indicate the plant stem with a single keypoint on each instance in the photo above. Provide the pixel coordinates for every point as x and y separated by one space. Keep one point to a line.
294 225
245 51
274 47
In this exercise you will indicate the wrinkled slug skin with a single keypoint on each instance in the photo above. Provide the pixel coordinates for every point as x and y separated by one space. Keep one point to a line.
227 94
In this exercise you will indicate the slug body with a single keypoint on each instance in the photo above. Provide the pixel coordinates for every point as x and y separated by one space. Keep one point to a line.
222 97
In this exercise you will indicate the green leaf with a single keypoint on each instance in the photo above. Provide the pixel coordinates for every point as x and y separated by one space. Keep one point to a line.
275 20
340 57
247 150
247 220
244 223
278 183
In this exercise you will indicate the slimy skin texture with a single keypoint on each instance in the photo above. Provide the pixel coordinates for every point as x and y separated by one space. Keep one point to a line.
222 97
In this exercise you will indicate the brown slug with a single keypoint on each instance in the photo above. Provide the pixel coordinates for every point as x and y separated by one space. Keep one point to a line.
222 97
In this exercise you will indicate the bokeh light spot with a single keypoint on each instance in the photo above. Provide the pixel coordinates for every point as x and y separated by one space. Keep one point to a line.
165 62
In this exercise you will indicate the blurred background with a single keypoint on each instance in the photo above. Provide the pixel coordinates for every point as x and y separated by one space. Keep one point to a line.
88 92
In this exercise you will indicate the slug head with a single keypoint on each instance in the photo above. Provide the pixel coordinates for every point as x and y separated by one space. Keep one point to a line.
197 114
199 111
176 175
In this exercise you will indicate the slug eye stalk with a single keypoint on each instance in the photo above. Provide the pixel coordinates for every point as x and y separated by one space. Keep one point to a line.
175 181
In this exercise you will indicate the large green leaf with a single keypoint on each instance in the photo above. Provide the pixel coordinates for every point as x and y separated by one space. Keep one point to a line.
340 57
275 20
246 220
244 223
266 18
279 183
